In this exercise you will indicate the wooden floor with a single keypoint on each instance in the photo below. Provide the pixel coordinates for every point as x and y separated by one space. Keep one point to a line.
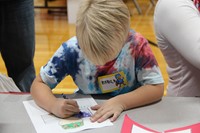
51 30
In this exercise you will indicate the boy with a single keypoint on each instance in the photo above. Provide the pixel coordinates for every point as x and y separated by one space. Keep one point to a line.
105 57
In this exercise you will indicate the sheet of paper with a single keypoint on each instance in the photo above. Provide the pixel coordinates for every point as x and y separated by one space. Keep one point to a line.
48 123
130 126
7 84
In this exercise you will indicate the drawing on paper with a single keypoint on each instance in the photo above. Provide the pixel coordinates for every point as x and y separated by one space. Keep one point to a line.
44 121
70 123
76 120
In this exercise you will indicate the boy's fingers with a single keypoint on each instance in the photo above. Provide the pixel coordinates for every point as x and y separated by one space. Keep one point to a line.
114 117
96 107
72 102
72 108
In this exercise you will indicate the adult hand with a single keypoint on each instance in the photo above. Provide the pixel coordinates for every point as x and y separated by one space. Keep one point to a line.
111 108
65 107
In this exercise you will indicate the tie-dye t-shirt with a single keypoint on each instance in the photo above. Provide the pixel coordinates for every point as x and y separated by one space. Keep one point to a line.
133 67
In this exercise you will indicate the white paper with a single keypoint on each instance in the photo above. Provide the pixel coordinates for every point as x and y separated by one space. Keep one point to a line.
183 131
136 129
48 123
7 84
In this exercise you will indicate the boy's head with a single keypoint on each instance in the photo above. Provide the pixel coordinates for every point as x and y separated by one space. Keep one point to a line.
102 28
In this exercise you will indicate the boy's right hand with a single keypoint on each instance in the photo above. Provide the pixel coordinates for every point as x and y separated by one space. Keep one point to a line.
64 107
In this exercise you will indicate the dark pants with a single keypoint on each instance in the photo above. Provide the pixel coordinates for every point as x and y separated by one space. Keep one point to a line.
17 41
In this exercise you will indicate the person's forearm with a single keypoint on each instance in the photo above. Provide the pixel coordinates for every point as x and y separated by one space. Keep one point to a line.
142 96
42 95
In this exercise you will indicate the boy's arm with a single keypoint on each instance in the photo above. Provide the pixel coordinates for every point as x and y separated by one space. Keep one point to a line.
142 96
42 94
113 107
44 98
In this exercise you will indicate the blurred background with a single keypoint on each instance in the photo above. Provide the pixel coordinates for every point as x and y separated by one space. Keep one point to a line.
54 24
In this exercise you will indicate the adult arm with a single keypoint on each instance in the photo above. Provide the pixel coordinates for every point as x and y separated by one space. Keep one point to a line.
179 22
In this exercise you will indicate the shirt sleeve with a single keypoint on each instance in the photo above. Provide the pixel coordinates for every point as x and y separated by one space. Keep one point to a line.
147 69
179 23
57 67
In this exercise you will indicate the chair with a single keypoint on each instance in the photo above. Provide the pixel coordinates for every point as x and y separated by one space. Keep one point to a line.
53 9
138 7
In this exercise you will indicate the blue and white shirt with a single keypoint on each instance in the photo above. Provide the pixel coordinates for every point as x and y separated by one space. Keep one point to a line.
135 66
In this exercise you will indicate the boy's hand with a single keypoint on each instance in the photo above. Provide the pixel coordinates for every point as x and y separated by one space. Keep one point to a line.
111 108
65 107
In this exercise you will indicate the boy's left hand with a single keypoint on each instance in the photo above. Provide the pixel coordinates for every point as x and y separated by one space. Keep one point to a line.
111 108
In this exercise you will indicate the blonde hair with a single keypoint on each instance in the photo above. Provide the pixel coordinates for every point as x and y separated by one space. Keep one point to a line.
102 28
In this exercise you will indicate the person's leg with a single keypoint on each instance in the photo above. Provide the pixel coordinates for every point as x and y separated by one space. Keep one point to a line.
1 24
19 42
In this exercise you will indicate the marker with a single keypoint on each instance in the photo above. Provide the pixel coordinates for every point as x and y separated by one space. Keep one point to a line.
64 96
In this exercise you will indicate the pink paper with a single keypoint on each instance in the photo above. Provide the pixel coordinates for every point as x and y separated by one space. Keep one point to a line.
195 128
128 125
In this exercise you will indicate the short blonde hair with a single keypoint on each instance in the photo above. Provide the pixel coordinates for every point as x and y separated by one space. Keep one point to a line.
102 28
